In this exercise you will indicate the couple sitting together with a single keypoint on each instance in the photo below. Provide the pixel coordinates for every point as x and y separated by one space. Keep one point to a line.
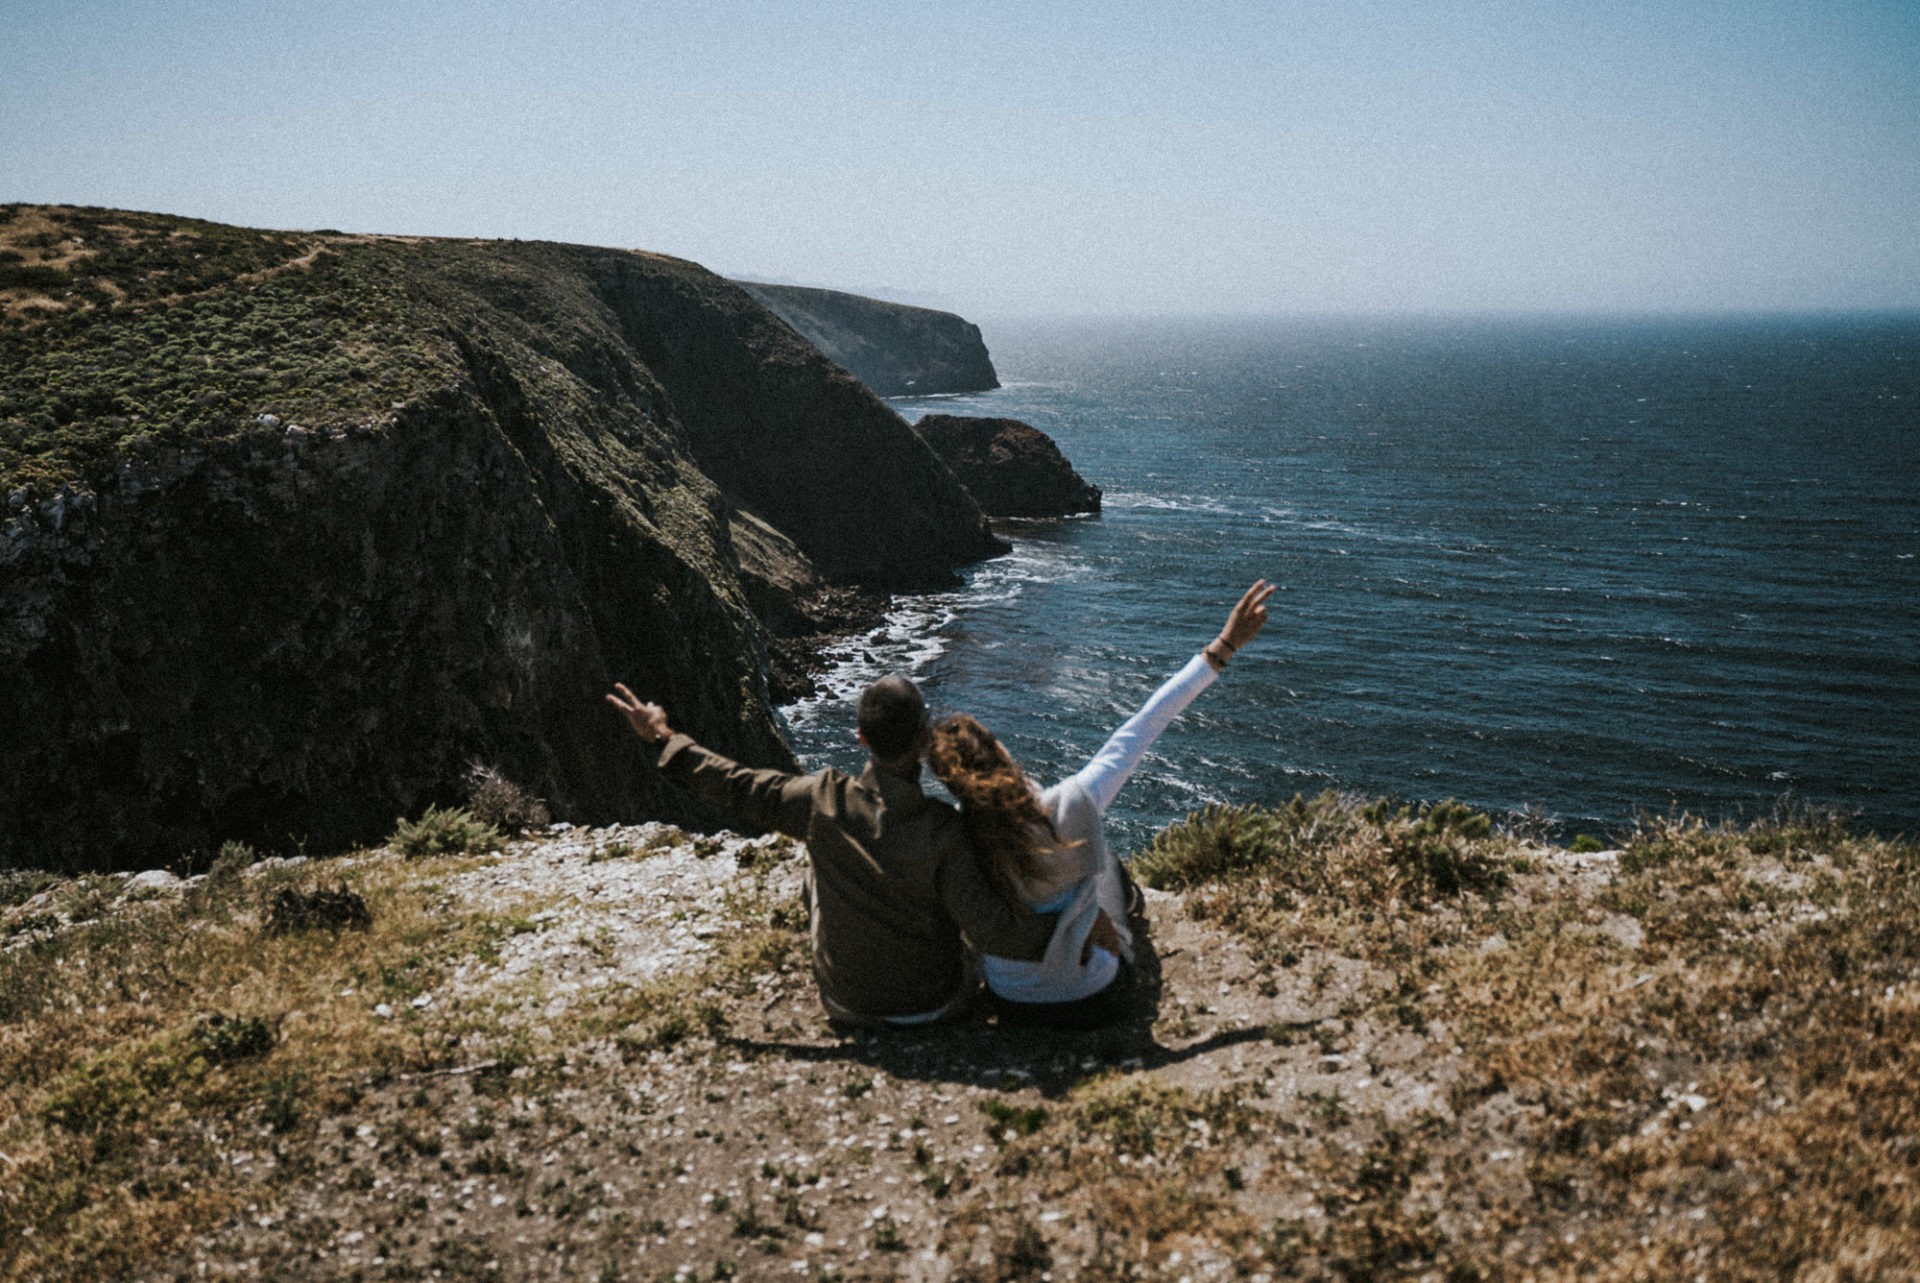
910 903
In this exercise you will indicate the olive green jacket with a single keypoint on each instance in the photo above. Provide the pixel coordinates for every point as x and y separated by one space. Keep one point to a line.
894 893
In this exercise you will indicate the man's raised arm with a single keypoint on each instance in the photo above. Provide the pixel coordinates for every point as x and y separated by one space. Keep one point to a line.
765 799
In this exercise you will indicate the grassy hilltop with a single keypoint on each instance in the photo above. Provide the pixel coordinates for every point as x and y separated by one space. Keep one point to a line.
116 325
1375 1044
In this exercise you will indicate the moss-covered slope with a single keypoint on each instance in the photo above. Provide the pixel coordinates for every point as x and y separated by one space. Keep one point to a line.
298 524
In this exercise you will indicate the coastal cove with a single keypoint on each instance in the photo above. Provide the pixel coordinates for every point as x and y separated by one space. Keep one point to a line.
1596 569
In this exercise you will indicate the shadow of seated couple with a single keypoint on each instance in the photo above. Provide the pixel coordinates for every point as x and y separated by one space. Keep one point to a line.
978 1048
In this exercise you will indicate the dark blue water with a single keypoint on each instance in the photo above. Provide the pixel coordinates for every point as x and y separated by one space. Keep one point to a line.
1595 569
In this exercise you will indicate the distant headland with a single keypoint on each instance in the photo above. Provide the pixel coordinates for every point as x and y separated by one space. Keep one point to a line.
894 349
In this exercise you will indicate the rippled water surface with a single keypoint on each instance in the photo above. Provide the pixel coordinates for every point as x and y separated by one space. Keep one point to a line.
1593 569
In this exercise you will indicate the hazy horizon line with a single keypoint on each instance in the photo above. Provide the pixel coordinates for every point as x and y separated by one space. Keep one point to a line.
939 300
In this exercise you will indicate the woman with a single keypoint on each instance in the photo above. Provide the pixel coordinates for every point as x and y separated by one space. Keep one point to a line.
1047 851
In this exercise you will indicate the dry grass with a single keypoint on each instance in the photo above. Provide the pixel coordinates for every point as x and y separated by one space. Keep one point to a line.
125 1103
1393 1045
1706 1067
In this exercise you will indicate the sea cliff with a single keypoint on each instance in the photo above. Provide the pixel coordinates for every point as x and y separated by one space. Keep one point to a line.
300 524
894 349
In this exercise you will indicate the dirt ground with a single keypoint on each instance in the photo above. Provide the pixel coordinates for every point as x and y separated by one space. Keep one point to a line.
771 1145
627 1076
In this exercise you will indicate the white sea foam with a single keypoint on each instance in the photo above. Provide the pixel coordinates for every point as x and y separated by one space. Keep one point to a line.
1167 502
915 631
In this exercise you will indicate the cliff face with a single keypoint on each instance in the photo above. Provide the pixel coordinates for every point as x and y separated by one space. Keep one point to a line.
298 525
1012 469
742 381
894 349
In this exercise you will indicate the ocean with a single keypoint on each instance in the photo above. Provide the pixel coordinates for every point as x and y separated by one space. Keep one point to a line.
1578 569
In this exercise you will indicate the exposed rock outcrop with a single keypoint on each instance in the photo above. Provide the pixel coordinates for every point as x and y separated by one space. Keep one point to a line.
1012 469
299 525
894 349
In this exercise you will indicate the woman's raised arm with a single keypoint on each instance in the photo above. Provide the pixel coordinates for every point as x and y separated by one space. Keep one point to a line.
1248 617
1116 760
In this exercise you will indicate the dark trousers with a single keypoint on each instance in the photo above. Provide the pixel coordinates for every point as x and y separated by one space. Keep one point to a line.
1090 1012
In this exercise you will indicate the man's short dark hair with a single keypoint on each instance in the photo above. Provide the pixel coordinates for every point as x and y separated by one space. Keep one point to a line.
893 716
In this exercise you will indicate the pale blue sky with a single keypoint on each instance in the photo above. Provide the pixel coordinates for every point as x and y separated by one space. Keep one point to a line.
1033 157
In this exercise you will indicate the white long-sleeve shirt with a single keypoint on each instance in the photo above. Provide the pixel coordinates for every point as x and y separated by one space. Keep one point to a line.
1081 875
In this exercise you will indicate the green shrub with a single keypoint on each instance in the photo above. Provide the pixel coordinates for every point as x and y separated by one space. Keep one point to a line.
1003 1118
1585 844
444 831
1439 847
1657 842
129 1079
1205 845
1220 841
234 858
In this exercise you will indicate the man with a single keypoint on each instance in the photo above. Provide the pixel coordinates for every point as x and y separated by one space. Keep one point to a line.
894 895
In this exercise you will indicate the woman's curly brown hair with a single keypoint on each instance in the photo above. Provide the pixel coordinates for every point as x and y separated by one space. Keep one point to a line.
1002 814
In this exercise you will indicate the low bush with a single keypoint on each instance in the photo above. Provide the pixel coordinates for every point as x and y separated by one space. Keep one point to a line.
1332 846
1221 841
234 858
228 1038
1440 849
444 831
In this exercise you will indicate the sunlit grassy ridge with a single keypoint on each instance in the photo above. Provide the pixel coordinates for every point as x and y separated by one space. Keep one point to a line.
1702 1064
120 325
159 1037
1479 1058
